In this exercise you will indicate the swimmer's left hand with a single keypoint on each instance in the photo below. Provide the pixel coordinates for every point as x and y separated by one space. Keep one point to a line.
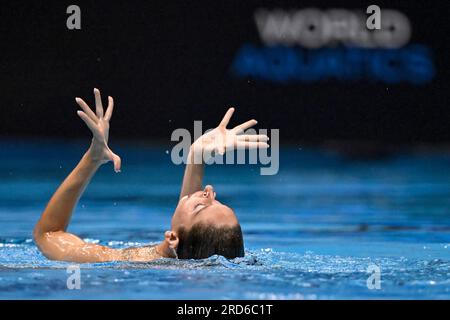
98 123
221 139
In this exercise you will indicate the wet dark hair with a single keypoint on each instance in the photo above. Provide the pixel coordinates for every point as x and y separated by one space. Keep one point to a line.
203 241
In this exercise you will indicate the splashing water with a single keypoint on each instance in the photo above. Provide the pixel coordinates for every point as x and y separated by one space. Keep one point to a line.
311 232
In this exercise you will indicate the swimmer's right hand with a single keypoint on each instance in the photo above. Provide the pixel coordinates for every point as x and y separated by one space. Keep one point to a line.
98 123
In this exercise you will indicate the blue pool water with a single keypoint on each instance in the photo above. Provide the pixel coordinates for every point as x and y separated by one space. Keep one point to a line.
310 232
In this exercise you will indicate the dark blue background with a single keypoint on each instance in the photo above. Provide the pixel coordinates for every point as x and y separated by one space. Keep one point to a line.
169 63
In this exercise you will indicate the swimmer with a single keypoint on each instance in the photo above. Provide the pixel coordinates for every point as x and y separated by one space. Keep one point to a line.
201 226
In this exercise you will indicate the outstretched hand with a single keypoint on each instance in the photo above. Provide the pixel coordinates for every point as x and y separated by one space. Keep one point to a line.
98 123
221 139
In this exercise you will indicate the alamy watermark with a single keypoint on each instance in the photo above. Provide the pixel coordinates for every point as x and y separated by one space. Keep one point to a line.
235 153
74 279
73 21
374 280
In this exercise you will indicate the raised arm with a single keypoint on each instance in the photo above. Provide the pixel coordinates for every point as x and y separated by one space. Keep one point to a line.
219 140
50 231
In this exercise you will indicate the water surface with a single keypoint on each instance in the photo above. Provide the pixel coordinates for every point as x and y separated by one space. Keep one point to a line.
311 231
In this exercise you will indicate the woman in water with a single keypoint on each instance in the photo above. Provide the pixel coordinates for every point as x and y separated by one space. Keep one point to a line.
201 226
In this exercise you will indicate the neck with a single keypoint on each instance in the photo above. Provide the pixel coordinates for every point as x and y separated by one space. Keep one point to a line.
165 251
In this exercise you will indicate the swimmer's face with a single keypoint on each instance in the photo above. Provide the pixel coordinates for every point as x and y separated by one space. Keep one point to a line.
202 207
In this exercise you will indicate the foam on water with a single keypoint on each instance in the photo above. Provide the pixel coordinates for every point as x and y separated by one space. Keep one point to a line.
310 232
261 274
